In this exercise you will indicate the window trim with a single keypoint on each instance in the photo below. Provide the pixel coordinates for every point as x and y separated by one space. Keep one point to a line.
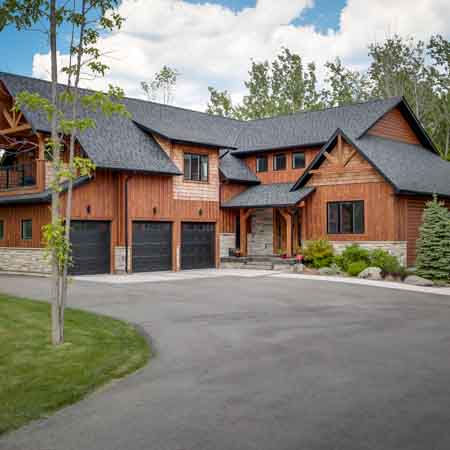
293 159
274 162
22 236
267 163
2 228
200 156
339 219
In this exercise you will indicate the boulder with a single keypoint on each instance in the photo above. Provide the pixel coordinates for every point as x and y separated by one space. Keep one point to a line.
418 281
371 273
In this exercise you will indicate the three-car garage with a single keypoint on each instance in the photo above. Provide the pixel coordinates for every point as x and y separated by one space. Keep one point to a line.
153 246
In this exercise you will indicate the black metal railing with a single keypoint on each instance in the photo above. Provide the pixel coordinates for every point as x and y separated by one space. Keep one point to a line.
17 176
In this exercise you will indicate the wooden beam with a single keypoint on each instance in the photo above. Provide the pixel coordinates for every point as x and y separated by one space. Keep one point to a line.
349 157
16 129
330 158
243 216
340 153
8 118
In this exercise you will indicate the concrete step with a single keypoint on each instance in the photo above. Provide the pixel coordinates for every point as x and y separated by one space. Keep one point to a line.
258 265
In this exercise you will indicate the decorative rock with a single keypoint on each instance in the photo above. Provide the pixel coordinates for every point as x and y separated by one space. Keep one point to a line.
329 271
418 281
297 268
371 273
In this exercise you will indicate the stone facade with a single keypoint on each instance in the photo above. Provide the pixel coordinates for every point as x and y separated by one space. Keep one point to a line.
396 248
31 260
227 241
119 259
260 240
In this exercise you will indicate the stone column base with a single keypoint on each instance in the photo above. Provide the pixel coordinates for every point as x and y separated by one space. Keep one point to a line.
26 260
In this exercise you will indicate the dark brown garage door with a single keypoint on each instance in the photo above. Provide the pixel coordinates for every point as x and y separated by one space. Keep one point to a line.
90 247
152 246
197 245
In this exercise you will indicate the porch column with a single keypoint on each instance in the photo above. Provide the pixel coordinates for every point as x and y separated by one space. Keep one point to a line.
243 216
288 219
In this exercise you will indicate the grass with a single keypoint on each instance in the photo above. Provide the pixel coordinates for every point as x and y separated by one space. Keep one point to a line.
38 378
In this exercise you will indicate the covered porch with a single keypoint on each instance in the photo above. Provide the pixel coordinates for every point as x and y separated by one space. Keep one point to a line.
269 219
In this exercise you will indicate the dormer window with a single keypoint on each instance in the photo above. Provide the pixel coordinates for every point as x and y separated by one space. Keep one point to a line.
279 161
261 163
195 167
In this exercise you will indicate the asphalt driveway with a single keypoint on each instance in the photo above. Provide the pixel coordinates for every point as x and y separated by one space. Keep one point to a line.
262 363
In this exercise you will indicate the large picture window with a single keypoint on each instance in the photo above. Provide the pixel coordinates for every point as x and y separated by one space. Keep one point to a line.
26 230
261 164
298 160
345 217
195 167
279 162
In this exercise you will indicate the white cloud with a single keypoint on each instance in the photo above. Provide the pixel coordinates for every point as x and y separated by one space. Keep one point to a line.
212 45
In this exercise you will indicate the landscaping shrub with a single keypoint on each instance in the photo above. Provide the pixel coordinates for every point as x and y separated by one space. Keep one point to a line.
433 245
319 253
356 267
388 263
352 254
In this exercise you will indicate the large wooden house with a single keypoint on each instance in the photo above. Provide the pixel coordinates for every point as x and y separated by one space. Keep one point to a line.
177 189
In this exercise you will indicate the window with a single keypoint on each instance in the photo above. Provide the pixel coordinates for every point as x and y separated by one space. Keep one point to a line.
195 167
2 230
261 164
279 162
345 217
27 230
298 160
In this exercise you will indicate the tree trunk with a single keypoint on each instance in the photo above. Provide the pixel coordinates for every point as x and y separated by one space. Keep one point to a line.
57 327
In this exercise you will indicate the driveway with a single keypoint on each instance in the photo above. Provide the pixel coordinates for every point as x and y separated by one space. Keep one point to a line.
264 363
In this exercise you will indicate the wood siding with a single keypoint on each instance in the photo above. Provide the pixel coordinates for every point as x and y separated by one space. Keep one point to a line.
289 175
358 180
393 125
228 216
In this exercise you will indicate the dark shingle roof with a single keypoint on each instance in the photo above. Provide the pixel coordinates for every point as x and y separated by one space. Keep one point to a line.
116 142
39 197
234 169
410 168
311 127
268 195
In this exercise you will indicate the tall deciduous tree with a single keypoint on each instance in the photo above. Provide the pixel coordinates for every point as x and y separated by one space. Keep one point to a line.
162 85
87 18
344 86
282 86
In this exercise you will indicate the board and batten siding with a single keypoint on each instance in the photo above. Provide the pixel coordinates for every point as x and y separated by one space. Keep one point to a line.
393 125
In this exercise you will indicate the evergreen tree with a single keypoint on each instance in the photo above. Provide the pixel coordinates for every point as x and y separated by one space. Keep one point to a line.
433 245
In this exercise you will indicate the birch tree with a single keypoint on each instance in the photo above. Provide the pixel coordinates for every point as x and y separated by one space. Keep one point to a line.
87 18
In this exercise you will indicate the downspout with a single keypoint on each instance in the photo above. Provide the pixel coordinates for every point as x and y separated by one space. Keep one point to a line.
126 224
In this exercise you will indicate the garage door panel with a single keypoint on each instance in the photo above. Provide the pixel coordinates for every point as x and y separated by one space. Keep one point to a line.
152 246
91 249
197 245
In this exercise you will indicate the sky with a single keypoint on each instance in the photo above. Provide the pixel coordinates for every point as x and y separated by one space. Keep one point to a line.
212 43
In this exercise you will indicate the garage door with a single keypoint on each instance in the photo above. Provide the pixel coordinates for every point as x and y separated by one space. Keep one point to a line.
152 246
90 247
197 245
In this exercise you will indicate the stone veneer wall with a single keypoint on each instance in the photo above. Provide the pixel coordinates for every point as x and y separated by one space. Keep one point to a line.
15 259
260 240
119 259
396 248
227 241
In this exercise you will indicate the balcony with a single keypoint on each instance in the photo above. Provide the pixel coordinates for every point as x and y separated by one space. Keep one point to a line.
18 176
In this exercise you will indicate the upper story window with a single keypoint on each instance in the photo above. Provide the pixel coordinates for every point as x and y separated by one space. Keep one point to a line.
345 217
261 164
27 230
279 161
298 160
2 230
195 167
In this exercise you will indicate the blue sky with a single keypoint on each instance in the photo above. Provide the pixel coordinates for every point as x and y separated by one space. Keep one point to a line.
212 43
17 48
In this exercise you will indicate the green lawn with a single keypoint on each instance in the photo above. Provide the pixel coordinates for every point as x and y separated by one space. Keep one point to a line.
37 378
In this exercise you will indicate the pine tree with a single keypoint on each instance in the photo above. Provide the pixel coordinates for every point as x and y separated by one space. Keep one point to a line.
433 245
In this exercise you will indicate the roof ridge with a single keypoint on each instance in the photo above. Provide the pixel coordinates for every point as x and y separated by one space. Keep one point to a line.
162 105
309 111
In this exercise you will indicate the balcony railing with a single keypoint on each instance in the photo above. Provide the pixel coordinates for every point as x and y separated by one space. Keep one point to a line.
17 176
